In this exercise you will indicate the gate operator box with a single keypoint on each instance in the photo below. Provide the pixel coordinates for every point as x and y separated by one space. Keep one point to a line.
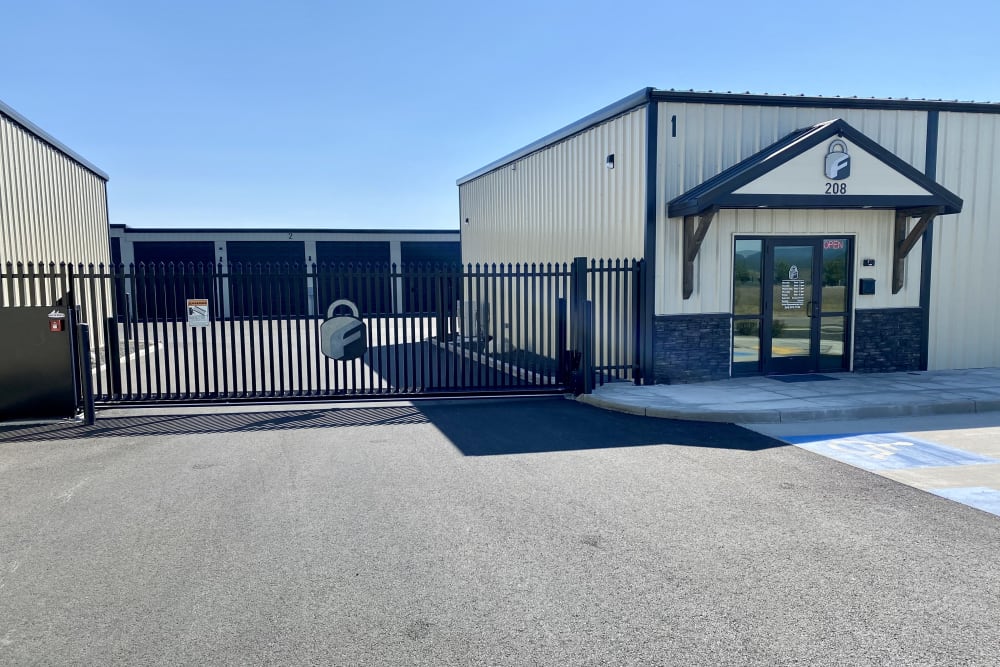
38 378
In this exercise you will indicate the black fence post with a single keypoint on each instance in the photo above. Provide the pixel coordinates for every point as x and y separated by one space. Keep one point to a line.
70 293
112 357
563 354
581 327
587 348
638 286
86 373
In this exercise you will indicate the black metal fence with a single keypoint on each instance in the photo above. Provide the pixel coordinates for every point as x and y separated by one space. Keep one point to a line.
208 332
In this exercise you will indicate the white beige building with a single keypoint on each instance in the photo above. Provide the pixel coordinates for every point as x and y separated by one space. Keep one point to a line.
784 234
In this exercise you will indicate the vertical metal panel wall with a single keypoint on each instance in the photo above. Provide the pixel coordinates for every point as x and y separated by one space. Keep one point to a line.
712 137
52 209
562 201
965 312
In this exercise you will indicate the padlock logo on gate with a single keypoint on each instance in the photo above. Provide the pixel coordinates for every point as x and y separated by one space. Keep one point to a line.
345 337
838 162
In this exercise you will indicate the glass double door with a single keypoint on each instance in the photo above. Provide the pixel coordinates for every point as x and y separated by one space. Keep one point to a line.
791 304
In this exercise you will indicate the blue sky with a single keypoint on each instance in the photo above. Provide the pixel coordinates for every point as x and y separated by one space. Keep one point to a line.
363 115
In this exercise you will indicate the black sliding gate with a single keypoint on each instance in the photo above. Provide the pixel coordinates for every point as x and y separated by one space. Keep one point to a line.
190 332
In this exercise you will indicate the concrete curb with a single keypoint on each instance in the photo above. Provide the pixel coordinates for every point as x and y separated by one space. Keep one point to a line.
805 414
615 406
988 405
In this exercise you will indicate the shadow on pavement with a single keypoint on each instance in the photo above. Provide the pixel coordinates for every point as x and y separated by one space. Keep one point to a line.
237 422
555 425
476 428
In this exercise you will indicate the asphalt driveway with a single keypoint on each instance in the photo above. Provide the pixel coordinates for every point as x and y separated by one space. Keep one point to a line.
513 532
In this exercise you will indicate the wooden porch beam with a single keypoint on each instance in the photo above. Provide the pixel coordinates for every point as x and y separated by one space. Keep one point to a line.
692 244
903 243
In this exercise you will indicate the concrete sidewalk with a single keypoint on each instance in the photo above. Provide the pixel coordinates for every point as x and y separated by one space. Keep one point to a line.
809 397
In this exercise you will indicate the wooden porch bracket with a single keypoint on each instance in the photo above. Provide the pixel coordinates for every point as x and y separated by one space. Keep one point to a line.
692 244
903 243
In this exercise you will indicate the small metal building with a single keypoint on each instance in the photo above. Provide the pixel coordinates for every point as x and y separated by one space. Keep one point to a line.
784 234
251 250
304 246
53 203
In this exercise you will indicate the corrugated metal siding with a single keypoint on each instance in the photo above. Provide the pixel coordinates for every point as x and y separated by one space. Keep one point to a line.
51 208
965 317
562 202
713 137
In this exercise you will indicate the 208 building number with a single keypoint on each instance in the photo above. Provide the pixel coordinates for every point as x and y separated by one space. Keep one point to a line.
836 188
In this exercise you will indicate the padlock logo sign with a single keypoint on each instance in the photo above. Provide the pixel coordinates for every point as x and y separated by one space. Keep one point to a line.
344 337
838 162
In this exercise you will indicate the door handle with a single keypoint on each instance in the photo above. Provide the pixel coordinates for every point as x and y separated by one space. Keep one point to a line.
809 308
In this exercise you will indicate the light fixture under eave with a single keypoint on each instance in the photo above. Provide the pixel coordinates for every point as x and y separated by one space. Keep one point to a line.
609 161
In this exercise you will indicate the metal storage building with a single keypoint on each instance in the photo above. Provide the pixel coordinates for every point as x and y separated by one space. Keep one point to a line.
53 203
246 251
781 234
53 219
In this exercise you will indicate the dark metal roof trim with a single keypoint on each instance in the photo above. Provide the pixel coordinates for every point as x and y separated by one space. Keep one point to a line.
718 190
748 99
623 105
887 202
41 134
